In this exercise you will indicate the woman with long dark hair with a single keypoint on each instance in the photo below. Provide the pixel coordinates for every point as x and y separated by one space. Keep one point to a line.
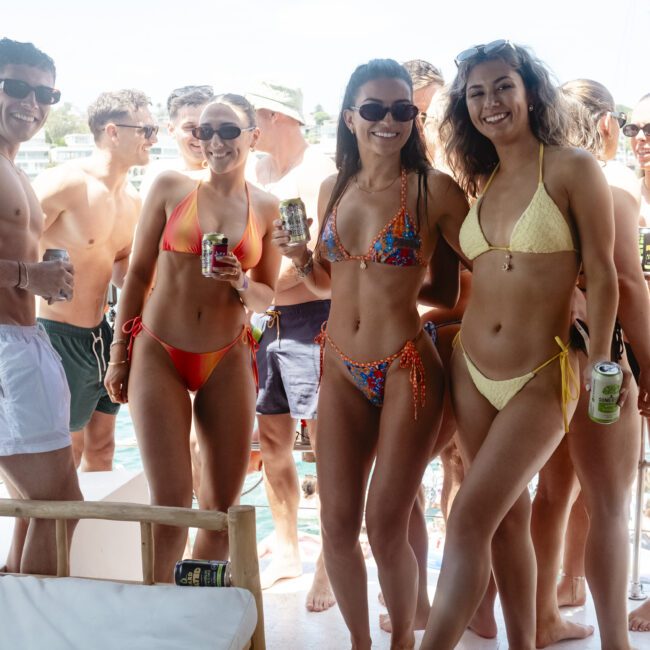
543 208
382 382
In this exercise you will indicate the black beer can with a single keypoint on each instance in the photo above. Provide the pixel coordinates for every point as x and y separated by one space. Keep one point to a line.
202 573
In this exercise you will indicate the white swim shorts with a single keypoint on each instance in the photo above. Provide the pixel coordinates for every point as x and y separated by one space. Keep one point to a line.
34 394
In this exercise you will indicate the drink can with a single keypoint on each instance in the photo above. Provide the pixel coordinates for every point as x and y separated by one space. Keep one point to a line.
208 242
50 255
606 381
644 248
294 219
219 250
202 573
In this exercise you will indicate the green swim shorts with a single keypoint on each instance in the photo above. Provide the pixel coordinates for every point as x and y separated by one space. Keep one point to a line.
84 353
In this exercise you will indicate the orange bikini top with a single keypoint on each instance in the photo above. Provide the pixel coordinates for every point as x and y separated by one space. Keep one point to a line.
183 232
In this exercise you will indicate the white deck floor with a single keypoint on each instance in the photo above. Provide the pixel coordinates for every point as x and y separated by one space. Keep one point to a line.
289 626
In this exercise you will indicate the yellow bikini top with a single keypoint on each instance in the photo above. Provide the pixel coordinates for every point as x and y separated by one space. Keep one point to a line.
541 228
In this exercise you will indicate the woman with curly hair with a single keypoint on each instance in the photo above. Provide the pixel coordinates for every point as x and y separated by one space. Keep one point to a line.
543 209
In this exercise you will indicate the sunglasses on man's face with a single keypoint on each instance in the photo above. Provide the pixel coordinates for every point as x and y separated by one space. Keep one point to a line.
632 130
20 89
620 117
148 130
225 132
485 49
373 111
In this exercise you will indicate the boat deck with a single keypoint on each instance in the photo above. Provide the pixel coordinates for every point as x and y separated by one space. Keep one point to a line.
290 625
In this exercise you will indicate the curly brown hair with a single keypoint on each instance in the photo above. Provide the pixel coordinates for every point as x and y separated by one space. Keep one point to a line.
470 155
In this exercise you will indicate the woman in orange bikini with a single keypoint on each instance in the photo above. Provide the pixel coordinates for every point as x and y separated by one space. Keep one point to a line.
382 383
544 209
191 333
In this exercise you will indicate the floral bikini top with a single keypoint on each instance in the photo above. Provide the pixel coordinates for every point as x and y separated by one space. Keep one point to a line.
397 244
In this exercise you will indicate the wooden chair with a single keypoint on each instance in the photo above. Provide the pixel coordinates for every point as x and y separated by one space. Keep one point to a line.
239 522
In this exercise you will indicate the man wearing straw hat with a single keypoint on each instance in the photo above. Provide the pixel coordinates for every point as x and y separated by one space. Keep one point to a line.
288 357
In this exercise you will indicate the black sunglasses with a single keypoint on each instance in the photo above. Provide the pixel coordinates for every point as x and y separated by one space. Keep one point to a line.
225 132
19 90
487 49
632 130
620 117
373 111
148 130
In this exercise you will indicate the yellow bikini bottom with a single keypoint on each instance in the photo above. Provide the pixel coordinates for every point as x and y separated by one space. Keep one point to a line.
500 391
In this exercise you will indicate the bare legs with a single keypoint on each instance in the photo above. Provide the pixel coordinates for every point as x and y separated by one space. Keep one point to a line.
49 476
492 503
94 446
351 432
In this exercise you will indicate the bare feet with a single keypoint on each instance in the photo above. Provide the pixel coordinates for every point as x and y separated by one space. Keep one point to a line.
320 597
483 622
639 618
560 630
571 591
280 568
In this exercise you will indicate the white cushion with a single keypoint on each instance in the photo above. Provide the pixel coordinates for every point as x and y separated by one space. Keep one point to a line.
74 613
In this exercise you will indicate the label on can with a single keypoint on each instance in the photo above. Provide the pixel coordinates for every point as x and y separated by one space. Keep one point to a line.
208 242
294 219
606 381
644 248
219 250
51 254
202 573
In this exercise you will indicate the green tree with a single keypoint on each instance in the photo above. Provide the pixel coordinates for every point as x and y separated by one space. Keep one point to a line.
62 121
320 115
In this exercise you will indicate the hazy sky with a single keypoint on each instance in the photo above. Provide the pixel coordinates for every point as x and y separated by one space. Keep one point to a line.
157 46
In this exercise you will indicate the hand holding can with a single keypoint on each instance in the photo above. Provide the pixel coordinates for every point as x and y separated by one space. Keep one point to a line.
294 220
50 255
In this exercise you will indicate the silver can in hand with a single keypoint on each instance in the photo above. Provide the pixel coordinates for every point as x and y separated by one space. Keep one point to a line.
50 255
294 219
606 382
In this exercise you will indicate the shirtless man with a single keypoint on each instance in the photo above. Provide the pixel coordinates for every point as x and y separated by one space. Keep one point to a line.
91 211
288 357
35 457
184 106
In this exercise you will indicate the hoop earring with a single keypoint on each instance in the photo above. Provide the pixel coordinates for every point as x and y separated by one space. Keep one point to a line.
204 164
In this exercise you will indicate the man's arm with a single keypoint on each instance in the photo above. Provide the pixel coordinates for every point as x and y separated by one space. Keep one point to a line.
53 188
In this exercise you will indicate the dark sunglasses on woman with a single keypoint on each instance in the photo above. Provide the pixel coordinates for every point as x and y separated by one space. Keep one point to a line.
225 132
485 49
632 130
373 111
20 89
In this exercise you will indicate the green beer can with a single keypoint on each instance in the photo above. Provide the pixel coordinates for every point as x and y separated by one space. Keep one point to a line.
606 382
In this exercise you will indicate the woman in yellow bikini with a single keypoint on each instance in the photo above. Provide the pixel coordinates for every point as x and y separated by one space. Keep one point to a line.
191 333
382 383
544 209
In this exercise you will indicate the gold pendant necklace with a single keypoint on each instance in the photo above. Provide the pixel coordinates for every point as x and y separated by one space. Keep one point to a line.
507 266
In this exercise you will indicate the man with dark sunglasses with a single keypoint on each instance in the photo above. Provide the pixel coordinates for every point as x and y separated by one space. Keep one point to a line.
288 358
184 106
35 457
91 211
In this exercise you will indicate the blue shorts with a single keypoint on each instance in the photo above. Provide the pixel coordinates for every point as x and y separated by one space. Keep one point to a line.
289 360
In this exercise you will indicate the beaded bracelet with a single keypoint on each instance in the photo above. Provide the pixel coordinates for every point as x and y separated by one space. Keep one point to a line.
244 286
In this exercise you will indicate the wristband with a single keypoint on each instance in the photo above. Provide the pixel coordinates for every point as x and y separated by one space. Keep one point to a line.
23 276
244 286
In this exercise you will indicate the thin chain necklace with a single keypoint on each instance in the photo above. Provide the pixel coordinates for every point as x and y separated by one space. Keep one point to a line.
11 162
381 189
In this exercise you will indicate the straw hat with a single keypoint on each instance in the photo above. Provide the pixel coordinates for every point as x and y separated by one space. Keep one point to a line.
278 99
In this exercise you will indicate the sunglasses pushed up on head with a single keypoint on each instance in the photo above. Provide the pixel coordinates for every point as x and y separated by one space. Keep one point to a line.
485 49
20 90
225 131
374 111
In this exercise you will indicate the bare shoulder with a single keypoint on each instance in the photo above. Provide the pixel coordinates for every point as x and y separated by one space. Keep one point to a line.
561 160
327 186
66 179
622 177
170 182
